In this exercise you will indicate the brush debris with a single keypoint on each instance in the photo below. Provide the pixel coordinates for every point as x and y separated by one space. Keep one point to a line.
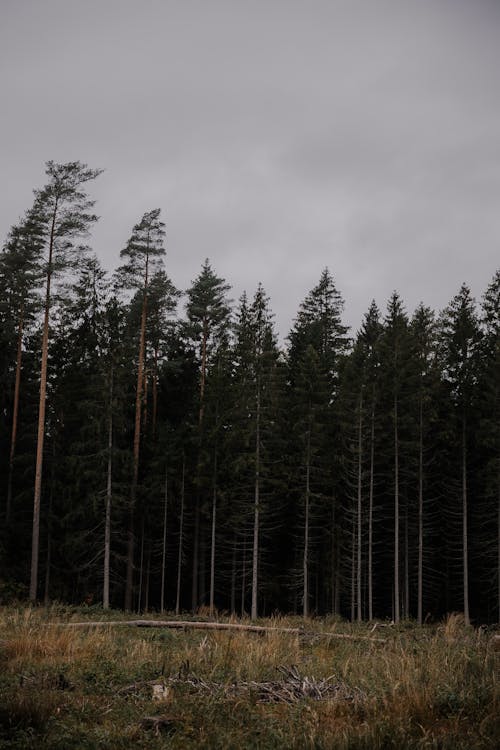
291 688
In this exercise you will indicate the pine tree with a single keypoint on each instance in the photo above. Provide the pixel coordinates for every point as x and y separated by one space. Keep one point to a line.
142 254
20 275
63 207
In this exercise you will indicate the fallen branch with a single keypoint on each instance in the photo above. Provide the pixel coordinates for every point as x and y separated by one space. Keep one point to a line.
197 625
292 688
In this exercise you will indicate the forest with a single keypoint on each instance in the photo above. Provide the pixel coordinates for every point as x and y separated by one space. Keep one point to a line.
160 450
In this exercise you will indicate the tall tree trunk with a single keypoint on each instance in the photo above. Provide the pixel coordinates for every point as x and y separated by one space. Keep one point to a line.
48 558
15 413
256 521
35 540
353 569
145 400
212 544
109 493
203 370
129 583
141 569
155 390
359 515
333 553
498 542
196 553
305 562
148 578
243 576
370 515
464 522
407 568
195 595
212 552
179 548
420 515
233 579
396 512
164 544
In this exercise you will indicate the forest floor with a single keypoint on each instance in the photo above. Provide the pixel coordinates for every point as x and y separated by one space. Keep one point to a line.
64 687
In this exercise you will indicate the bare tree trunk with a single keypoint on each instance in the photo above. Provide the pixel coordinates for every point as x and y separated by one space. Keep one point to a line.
196 552
179 549
203 370
305 563
129 584
233 579
370 515
35 541
141 569
148 578
396 512
337 577
48 563
195 595
212 548
155 391
498 544
48 559
353 570
407 568
333 552
15 413
244 577
420 516
464 522
256 522
145 400
164 544
359 516
214 507
109 492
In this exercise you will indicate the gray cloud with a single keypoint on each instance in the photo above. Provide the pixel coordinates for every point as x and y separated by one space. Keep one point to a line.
278 137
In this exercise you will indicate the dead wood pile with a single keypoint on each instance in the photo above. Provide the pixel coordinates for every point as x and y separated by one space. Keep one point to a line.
291 688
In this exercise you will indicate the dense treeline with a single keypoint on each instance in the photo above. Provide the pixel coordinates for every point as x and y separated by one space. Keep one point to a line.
161 450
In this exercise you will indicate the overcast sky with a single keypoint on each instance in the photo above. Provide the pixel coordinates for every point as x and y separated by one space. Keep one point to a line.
277 136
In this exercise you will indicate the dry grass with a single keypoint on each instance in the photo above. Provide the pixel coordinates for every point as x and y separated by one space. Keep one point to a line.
63 687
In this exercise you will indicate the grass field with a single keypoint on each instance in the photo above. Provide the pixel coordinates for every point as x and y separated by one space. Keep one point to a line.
65 687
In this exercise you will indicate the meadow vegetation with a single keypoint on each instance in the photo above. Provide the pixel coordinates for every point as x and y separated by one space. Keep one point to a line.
64 687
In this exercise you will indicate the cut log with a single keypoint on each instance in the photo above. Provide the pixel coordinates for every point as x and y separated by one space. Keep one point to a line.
231 626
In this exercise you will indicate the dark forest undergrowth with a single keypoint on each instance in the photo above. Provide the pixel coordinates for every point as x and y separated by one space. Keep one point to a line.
121 687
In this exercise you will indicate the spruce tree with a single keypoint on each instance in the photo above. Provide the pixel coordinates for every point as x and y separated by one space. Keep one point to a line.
488 470
425 389
459 335
255 416
208 319
395 356
318 336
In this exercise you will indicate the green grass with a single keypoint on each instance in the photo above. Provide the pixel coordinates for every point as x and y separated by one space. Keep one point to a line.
63 687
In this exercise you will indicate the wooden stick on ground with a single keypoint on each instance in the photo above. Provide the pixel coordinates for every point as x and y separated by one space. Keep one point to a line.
197 625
